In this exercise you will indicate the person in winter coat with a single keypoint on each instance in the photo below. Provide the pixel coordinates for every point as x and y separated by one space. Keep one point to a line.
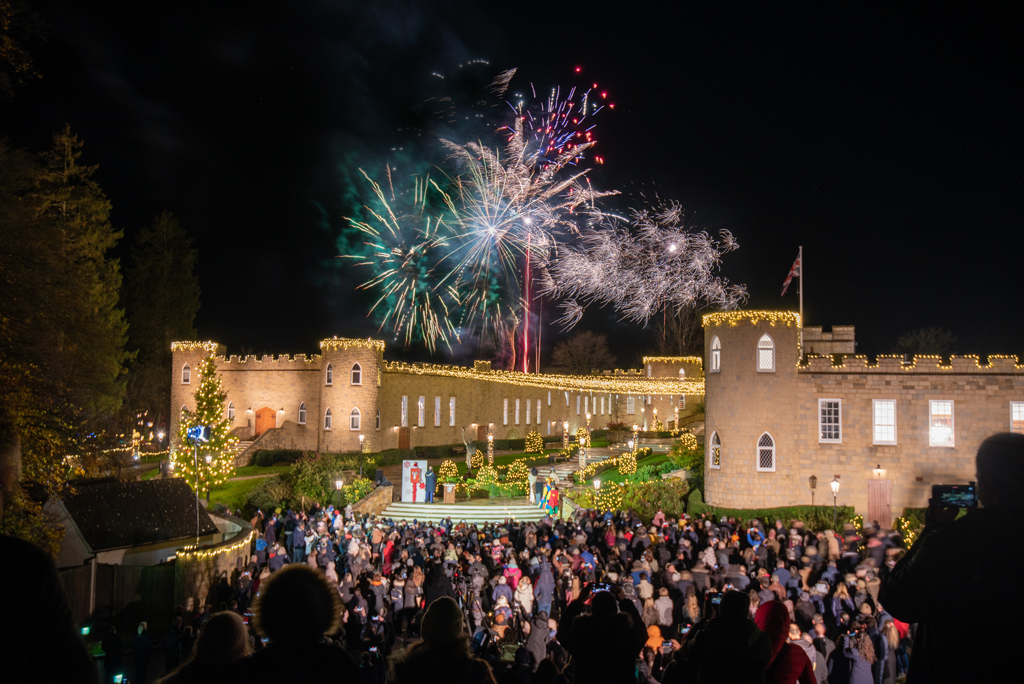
544 588
224 642
524 594
664 606
437 585
502 589
854 665
537 639
604 645
512 573
443 657
788 662
172 645
729 647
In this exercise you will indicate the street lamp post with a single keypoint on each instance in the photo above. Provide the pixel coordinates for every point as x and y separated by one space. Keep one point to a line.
209 459
835 493
197 434
338 484
588 429
636 437
655 426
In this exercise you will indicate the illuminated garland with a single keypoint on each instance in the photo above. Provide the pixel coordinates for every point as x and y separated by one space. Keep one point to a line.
581 435
208 346
673 359
190 552
687 441
734 317
346 343
906 530
476 460
861 362
534 443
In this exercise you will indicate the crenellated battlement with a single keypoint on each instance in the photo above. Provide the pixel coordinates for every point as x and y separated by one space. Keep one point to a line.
268 361
921 363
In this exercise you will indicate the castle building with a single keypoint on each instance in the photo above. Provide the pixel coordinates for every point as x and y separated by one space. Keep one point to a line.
328 401
887 431
776 415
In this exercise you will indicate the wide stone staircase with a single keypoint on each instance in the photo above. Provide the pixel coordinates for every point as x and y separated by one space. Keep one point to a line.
472 511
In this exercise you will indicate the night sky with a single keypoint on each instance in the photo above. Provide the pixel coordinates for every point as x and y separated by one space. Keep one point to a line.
885 140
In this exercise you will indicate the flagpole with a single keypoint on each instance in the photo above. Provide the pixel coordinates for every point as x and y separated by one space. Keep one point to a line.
800 258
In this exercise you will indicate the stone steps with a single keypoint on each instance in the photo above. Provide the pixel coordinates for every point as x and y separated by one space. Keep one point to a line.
470 511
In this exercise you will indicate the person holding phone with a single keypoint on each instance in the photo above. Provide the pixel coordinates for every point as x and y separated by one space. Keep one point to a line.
922 586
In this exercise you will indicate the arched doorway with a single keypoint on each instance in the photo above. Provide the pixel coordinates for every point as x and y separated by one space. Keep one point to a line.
266 418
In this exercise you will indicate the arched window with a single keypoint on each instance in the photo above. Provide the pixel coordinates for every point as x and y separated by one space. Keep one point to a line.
357 374
330 374
378 420
186 374
302 413
766 354
353 419
231 411
716 354
682 373
766 453
716 451
327 420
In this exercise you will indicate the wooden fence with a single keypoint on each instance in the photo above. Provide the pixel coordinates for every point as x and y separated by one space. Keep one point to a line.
125 594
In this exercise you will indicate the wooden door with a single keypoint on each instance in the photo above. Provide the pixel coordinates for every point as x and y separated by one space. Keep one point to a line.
266 418
404 435
481 436
880 502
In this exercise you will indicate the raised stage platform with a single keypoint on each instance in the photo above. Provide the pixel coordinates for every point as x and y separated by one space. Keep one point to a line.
472 511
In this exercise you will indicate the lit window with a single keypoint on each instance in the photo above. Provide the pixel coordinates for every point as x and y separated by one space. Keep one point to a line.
405 411
330 374
602 406
567 400
766 354
1017 416
451 411
549 397
577 404
186 374
682 401
538 412
353 419
940 424
883 429
421 409
766 453
830 421
630 406
504 418
716 451
302 413
528 411
437 411
327 420
357 374
648 370
716 354
378 420
231 411
517 412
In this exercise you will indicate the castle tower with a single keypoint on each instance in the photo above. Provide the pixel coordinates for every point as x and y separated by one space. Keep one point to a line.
349 388
751 402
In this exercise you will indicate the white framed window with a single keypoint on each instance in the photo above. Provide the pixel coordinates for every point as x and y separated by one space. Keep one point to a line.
549 427
650 399
586 404
602 406
231 411
451 411
354 419
566 400
517 412
765 453
766 354
538 412
330 375
437 411
716 355
716 451
302 413
378 420
630 406
186 374
357 374
577 404
940 423
1017 416
528 414
883 421
504 414
549 397
421 410
405 411
830 421
327 419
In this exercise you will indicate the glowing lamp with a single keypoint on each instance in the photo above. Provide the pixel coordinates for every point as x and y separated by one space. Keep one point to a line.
209 459
597 484
835 485
338 484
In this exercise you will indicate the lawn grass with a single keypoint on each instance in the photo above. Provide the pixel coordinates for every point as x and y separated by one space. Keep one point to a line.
232 493
246 471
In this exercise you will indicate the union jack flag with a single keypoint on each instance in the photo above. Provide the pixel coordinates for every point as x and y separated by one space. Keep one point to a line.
794 271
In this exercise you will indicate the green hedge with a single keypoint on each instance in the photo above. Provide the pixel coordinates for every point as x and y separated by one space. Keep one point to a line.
268 457
915 516
816 518
598 434
507 445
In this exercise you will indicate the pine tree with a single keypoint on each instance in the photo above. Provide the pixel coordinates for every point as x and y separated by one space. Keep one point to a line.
210 398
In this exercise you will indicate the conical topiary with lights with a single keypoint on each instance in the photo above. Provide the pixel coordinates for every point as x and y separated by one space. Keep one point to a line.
210 398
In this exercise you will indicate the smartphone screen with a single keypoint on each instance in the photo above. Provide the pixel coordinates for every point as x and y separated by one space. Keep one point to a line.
960 496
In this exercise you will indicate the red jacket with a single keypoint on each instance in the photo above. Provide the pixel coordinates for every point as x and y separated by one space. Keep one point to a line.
788 664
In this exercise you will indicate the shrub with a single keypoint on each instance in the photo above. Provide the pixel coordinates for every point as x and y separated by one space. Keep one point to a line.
268 457
534 443
393 456
354 491
271 492
689 454
816 518
313 477
439 451
646 498
598 434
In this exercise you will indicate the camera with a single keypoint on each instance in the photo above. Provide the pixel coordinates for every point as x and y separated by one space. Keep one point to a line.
961 496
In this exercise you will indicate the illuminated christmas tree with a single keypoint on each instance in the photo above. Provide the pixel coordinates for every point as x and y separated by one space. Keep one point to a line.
534 443
518 473
210 398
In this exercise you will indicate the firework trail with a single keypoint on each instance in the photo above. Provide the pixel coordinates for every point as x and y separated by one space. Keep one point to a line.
641 266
